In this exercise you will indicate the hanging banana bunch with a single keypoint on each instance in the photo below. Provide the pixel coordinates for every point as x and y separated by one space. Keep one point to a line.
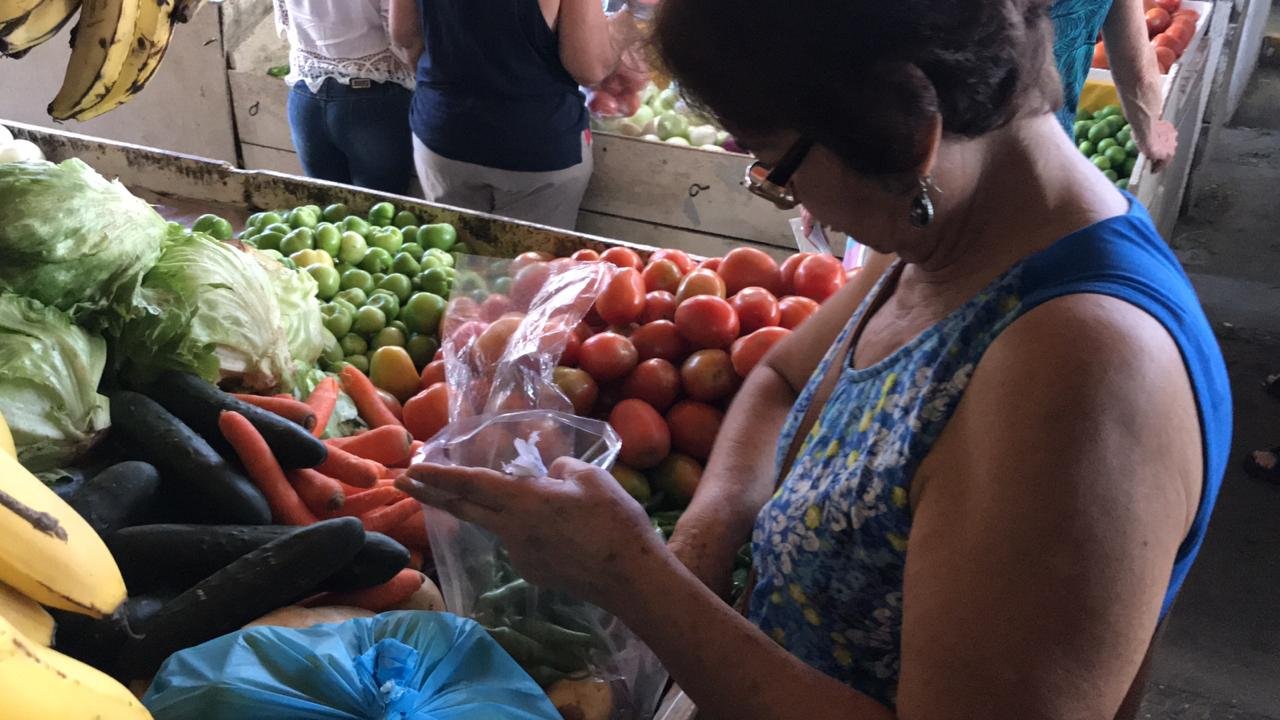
116 46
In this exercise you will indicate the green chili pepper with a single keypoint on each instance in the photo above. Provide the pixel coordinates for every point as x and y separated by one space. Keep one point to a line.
521 648
549 634
507 595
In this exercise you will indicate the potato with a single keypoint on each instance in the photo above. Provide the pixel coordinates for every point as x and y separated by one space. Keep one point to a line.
427 597
588 699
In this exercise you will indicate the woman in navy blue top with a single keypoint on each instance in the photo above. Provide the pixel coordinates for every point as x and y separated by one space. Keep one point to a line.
976 479
498 120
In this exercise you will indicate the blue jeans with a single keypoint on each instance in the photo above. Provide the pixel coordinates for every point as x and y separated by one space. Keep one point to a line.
357 136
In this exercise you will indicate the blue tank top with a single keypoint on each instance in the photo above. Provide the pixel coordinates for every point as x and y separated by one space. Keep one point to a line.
830 547
1076 24
491 89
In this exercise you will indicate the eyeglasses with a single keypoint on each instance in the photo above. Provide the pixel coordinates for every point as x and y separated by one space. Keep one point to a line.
774 184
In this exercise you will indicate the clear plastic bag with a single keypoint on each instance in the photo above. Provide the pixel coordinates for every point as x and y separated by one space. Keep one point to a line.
507 414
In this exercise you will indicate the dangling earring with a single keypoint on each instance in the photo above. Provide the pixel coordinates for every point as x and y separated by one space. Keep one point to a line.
921 213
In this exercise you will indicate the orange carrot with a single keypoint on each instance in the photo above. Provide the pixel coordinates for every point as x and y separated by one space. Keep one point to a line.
322 494
323 399
369 500
389 444
376 599
386 517
287 408
365 395
350 469
264 471
412 531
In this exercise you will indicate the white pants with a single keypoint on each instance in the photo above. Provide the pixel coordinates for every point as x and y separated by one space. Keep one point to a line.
547 198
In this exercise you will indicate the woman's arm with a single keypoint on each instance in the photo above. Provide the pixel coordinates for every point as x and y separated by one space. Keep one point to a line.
1133 66
741 473
591 43
405 29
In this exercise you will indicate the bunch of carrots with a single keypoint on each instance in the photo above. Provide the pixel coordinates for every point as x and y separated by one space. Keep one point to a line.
357 479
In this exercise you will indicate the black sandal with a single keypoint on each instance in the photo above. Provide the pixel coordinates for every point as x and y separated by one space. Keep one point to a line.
1263 464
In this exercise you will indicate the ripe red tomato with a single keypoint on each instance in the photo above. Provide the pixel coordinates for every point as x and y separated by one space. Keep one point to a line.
662 275
679 257
492 343
708 375
569 356
528 281
712 264
623 298
1168 40
795 310
646 440
1182 32
706 321
659 339
622 257
1165 58
788 271
1187 13
1169 6
578 387
749 349
585 255
426 413
658 305
607 356
748 267
654 381
431 374
694 426
524 260
1100 57
756 308
1157 21
677 476
494 307
700 282
464 335
819 277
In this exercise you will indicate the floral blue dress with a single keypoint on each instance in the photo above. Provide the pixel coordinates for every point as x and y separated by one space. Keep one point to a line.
1076 24
831 546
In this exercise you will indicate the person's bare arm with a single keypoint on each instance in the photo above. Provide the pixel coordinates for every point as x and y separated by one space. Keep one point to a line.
741 473
1137 76
591 43
405 29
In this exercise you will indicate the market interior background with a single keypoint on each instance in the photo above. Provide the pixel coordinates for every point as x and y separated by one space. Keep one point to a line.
1219 656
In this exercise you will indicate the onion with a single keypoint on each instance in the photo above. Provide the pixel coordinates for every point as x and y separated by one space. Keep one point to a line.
20 151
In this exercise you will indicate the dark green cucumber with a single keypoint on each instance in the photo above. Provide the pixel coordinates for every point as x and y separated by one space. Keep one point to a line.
120 496
198 404
281 572
173 556
192 473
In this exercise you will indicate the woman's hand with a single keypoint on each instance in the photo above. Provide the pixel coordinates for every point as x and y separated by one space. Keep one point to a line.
576 531
1159 144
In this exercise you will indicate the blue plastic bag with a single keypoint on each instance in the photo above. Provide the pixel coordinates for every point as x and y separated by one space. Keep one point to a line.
394 666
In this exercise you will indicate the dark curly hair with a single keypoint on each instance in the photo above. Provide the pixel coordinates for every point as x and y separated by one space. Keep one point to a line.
865 78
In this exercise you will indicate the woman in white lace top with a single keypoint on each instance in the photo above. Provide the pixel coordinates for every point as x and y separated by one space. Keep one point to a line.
349 93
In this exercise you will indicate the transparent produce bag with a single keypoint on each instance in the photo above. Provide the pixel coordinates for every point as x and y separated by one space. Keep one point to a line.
503 334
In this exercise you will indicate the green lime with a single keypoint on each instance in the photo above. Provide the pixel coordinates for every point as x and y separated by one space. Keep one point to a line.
337 318
1099 131
353 344
1081 129
327 281
1131 148
1124 134
385 301
382 214
441 236
213 226
1115 122
1105 143
1111 175
422 312
1086 148
300 239
268 240
1108 111
1130 163
388 238
389 336
376 260
397 284
359 280
355 224
1116 155
405 218
1101 162
335 213
369 320
422 348
1123 183
303 217
405 264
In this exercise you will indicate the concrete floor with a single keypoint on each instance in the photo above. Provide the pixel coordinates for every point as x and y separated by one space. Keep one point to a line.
1219 656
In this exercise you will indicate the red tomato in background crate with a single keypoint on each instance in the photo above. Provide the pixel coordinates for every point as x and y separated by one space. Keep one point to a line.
819 277
700 282
748 267
622 257
788 271
622 301
795 310
525 259
660 339
706 321
708 376
658 305
1169 40
655 381
1157 21
492 343
677 476
607 356
748 350
431 374
646 440
1169 6
578 386
494 307
679 257
527 282
711 264
1165 58
585 255
756 308
662 275
694 426
426 413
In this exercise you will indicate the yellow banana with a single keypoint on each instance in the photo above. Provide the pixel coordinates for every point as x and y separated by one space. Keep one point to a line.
41 23
37 682
6 439
14 9
146 49
102 40
26 615
48 552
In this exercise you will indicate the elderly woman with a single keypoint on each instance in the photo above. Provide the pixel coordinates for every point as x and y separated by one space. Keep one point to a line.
994 481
